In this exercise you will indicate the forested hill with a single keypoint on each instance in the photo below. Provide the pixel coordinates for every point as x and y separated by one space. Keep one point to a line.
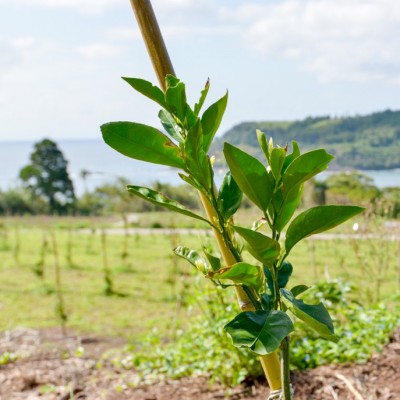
362 142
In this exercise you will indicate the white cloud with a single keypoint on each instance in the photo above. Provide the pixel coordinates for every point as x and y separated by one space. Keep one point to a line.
345 40
97 51
86 6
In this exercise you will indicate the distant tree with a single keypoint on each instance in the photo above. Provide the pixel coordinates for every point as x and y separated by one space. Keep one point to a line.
351 187
47 177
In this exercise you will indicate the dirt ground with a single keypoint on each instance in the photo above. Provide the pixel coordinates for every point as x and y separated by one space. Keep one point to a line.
43 372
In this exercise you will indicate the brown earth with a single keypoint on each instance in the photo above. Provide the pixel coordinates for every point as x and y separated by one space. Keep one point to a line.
44 372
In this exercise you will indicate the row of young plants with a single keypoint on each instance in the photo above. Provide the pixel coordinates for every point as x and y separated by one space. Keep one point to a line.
274 186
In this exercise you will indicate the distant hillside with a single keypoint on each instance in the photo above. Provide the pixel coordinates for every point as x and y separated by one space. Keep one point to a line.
362 142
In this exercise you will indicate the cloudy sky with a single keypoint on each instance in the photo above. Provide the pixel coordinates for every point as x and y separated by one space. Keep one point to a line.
61 60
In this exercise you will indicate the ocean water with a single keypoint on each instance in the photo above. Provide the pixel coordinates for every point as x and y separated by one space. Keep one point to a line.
105 165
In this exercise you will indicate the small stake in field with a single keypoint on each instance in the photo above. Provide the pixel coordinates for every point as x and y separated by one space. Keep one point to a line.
60 304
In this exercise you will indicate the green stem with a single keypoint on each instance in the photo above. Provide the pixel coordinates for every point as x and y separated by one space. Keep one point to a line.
287 395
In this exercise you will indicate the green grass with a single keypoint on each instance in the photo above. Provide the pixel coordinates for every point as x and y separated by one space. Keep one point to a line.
150 281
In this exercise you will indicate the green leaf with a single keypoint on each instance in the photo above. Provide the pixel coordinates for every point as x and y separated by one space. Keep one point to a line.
169 124
190 181
288 206
318 219
229 196
175 96
277 160
148 89
157 198
316 316
211 120
196 159
193 258
260 331
283 276
203 95
298 290
267 302
290 157
142 142
305 167
215 262
250 175
244 273
262 141
261 247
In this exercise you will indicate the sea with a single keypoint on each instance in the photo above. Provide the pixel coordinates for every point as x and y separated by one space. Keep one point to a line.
105 165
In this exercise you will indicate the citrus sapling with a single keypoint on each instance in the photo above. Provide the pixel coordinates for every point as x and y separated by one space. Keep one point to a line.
254 259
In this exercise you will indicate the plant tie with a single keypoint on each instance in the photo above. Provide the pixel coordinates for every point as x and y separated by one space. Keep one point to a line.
278 394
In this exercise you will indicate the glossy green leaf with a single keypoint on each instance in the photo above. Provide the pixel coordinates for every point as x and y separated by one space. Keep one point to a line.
148 89
261 247
262 141
211 120
190 181
193 258
175 96
157 198
298 290
203 95
283 276
288 206
318 219
196 159
243 273
250 175
260 331
277 160
229 196
215 262
290 157
267 302
305 167
169 124
315 316
142 142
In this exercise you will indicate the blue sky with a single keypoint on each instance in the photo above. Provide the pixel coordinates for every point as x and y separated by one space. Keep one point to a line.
61 60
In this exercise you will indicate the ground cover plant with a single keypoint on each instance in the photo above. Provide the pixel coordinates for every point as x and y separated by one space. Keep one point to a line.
274 187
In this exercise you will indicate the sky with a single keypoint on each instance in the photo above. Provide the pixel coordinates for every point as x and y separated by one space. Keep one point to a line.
61 61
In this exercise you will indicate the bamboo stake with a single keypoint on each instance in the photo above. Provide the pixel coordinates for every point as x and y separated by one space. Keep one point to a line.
162 65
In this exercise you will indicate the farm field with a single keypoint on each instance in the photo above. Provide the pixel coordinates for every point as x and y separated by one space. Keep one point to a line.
149 291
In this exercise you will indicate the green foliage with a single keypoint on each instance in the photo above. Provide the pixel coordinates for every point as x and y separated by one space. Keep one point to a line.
361 142
47 177
361 331
316 220
274 186
347 187
260 331
201 348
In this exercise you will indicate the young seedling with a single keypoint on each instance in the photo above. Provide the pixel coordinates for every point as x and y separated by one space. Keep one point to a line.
107 276
60 309
17 247
38 268
273 186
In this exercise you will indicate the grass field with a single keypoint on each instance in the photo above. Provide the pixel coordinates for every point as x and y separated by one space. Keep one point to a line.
148 279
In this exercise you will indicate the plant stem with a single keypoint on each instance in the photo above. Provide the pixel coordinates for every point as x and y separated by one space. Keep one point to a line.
287 395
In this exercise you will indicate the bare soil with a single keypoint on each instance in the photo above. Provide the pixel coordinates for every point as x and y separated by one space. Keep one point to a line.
49 368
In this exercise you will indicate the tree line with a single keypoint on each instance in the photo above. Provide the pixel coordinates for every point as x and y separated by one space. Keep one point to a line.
359 142
45 187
